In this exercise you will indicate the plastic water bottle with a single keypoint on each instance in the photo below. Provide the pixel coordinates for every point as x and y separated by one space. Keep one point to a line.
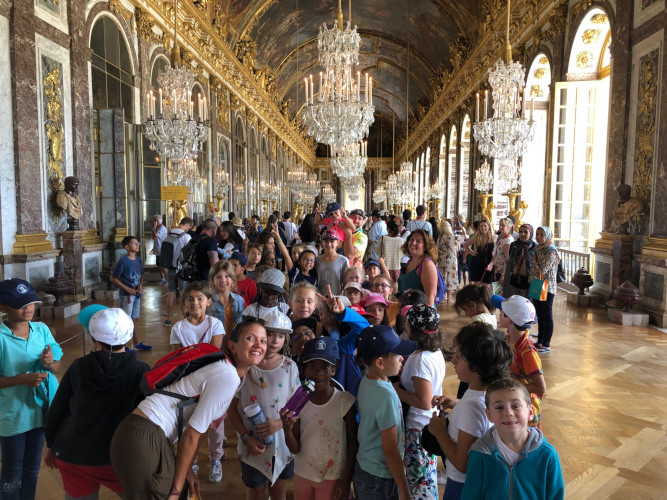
300 397
256 417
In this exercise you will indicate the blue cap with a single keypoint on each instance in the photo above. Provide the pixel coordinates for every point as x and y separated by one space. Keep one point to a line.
240 257
378 340
17 293
497 301
324 348
87 313
371 262
332 207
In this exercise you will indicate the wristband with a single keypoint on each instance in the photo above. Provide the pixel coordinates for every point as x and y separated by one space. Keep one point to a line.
244 438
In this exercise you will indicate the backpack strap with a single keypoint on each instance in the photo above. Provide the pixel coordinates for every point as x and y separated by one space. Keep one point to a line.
210 324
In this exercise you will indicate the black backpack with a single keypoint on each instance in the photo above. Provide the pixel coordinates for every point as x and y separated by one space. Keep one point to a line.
189 270
172 246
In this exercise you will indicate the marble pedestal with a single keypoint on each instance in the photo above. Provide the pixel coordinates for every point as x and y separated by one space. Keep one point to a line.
73 257
106 295
653 282
60 312
625 318
613 263
589 300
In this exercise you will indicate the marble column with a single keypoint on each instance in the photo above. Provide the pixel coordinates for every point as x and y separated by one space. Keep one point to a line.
26 137
82 151
618 113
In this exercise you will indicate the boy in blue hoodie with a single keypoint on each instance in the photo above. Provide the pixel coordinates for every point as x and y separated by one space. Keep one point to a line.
512 460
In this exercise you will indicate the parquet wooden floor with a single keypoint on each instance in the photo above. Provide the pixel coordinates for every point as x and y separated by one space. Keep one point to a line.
605 409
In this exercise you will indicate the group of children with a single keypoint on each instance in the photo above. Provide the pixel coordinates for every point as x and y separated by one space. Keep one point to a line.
376 419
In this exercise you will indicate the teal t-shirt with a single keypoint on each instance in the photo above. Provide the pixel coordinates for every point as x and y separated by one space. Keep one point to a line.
19 412
379 409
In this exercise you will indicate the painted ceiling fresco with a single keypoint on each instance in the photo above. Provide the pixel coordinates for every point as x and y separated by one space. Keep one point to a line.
286 35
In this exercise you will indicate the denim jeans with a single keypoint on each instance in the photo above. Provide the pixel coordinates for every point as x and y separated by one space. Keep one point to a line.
545 319
453 490
21 458
370 487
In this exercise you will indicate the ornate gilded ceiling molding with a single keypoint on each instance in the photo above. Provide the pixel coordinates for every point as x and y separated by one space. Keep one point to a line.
213 54
117 8
256 17
145 23
459 87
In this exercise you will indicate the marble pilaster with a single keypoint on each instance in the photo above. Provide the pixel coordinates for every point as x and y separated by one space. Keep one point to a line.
82 152
618 113
26 143
7 174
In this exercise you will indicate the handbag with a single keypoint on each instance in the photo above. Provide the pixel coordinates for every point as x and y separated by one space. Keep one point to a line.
539 289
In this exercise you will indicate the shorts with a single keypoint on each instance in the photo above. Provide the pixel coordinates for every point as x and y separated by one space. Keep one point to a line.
84 480
130 304
173 283
253 478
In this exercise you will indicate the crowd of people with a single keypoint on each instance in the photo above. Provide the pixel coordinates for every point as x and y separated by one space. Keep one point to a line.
341 307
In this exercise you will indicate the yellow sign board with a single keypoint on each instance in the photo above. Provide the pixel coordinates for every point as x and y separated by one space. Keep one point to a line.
174 192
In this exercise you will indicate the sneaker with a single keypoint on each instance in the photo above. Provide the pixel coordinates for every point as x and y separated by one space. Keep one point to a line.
542 349
162 282
195 469
142 347
215 476
166 323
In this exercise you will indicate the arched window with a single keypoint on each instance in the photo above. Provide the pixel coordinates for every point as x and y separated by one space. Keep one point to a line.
580 145
538 82
112 71
112 94
452 172
442 174
223 166
240 171
464 172
253 173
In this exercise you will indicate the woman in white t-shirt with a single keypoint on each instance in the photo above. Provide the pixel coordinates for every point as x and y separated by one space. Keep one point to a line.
142 447
421 380
481 356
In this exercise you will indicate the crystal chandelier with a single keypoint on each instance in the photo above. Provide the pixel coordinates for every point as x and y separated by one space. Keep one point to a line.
484 178
393 191
174 130
352 185
339 115
406 184
352 161
508 133
328 194
380 196
221 182
509 172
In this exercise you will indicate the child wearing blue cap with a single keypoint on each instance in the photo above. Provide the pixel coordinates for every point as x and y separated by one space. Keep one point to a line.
29 356
379 472
323 437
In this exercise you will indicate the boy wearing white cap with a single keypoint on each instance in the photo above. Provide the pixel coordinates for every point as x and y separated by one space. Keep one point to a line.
517 314
95 394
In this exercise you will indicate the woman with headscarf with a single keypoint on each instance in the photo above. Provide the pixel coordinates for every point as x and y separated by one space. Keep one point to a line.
544 266
517 268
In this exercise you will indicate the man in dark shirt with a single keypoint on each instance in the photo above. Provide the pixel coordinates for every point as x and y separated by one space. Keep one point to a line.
206 252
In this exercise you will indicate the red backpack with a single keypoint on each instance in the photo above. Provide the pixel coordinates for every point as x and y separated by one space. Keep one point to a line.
175 366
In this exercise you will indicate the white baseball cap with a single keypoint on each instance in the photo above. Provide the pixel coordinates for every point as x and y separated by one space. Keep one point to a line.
276 321
517 308
111 326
